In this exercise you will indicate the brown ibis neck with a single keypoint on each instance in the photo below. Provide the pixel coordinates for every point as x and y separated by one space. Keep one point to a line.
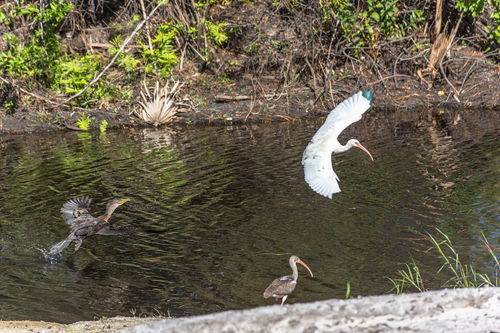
295 272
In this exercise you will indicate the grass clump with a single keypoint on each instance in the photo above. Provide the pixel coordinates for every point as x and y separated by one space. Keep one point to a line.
410 276
462 275
84 122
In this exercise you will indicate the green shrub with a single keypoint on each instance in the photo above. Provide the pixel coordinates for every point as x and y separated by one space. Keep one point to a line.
103 126
162 58
473 7
363 27
74 73
383 14
215 32
124 60
494 31
36 58
84 122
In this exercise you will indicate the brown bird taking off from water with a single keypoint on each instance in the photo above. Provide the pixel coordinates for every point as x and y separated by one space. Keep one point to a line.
283 286
75 212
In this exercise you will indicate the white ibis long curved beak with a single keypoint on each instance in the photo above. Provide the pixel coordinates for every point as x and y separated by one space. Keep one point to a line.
360 146
304 264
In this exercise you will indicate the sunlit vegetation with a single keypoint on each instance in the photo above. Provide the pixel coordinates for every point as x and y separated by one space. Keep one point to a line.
103 126
84 122
60 46
461 274
161 58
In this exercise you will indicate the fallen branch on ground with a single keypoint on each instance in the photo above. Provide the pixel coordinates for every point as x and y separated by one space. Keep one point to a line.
227 98
30 93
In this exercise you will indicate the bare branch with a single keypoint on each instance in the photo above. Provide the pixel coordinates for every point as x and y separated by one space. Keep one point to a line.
136 30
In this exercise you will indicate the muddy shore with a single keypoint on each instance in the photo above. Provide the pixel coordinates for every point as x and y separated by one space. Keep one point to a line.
241 102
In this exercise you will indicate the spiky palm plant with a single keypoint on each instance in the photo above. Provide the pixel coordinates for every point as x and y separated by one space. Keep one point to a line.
158 106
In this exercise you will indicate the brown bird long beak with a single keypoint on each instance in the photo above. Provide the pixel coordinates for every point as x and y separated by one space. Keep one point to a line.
122 201
360 146
304 264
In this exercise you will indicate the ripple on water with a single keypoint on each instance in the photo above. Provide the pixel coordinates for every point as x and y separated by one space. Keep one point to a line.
220 210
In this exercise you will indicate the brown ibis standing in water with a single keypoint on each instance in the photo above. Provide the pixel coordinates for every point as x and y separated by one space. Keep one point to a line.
283 286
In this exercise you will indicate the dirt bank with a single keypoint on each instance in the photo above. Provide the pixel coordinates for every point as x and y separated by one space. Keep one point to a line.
204 100
241 61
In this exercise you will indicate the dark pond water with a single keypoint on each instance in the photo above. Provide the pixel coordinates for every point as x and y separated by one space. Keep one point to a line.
224 207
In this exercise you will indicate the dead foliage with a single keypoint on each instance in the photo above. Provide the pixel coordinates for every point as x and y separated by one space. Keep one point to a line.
290 40
158 105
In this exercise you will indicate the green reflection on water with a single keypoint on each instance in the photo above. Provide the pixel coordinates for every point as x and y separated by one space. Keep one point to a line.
223 210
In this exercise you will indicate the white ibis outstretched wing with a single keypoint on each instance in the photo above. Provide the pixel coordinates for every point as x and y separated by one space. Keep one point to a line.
319 174
349 111
317 161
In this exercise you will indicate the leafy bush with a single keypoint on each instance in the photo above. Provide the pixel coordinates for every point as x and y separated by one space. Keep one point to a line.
84 122
473 7
215 32
74 73
362 27
162 58
124 60
383 14
476 7
22 60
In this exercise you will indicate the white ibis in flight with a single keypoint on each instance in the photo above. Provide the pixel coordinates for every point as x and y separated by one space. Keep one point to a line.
283 286
317 161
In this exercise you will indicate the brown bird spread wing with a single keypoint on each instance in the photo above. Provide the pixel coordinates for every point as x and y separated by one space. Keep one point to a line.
88 228
280 287
109 230
76 210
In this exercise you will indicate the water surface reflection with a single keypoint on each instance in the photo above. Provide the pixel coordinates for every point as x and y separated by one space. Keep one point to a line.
222 210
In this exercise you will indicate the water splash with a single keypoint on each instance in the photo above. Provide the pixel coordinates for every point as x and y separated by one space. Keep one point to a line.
51 258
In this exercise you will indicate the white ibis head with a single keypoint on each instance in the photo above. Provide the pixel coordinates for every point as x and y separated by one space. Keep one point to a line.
356 143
